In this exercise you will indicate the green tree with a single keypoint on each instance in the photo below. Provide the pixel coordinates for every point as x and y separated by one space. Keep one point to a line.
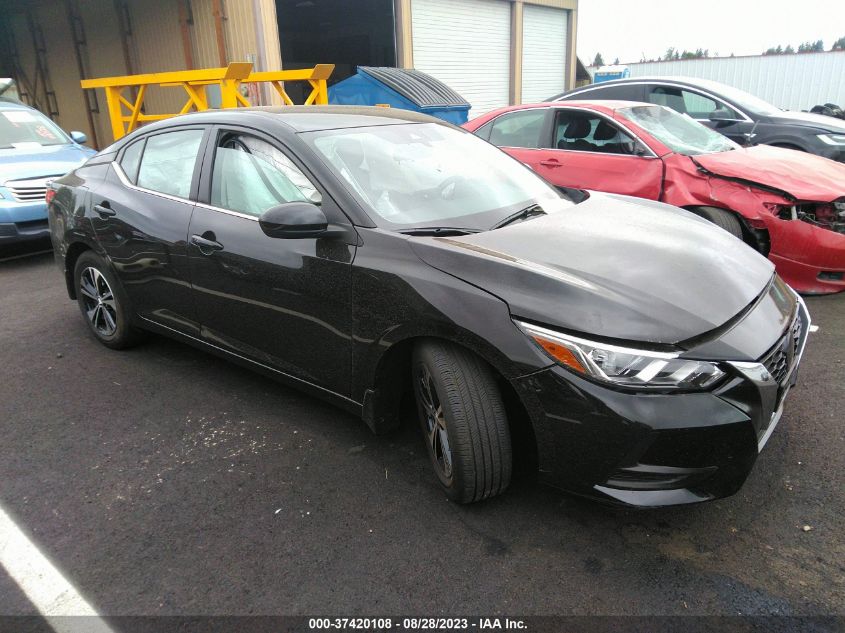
598 61
839 45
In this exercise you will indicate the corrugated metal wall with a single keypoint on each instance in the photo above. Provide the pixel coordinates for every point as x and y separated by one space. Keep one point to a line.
795 82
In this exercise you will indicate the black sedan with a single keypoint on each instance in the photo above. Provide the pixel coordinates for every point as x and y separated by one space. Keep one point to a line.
632 351
738 115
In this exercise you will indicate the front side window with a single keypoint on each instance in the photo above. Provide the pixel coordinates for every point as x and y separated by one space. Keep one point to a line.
694 104
518 129
581 131
676 131
419 175
251 176
21 128
167 165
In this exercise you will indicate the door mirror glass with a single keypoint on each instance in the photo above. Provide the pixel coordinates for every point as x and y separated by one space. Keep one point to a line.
79 137
293 220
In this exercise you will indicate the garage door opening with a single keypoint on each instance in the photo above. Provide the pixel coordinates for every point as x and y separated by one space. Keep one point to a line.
346 34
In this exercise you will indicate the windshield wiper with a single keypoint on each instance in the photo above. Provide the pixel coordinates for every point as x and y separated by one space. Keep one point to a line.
524 214
438 230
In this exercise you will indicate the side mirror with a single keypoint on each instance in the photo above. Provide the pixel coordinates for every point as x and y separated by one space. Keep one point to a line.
722 115
294 220
79 137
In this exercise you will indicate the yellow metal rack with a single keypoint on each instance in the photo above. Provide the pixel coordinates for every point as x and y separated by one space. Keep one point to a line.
126 112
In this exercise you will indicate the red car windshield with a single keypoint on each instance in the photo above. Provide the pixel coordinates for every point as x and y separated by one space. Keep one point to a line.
676 131
24 128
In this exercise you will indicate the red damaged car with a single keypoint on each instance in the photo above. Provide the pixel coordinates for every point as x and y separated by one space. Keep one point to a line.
787 204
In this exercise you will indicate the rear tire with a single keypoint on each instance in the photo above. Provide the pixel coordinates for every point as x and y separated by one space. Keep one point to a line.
721 218
103 302
463 419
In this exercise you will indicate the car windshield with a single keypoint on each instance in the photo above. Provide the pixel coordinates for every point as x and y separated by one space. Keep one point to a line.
27 128
430 175
676 131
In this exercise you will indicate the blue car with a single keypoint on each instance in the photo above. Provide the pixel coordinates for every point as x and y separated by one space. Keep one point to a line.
33 150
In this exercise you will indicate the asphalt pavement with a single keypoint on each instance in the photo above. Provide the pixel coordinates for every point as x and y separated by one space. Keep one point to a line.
164 481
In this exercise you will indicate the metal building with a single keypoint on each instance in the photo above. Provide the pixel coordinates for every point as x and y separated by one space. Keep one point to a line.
792 82
493 52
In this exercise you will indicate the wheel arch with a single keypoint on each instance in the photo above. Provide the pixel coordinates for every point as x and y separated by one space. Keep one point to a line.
391 385
72 254
756 238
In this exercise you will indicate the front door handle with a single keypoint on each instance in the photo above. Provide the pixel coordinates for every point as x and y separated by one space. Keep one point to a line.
104 210
551 162
206 246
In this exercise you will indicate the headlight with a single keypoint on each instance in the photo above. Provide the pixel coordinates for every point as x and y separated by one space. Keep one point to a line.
624 366
832 139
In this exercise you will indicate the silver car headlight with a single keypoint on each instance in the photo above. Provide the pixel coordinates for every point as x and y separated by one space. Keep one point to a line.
832 139
623 366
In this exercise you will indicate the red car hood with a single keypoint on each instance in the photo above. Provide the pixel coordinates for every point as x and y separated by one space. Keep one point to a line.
804 176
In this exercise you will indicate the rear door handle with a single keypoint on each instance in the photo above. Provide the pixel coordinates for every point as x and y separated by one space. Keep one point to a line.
206 246
551 162
104 210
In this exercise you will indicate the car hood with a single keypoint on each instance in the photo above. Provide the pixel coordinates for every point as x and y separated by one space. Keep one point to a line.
804 176
612 267
52 160
809 119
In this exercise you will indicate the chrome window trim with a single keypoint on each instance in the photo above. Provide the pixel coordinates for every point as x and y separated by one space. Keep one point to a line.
122 176
126 182
672 84
237 214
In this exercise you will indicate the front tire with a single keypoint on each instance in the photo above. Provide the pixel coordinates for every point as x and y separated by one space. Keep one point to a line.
103 302
721 218
463 420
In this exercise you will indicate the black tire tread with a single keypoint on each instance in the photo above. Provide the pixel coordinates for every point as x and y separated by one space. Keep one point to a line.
722 218
476 414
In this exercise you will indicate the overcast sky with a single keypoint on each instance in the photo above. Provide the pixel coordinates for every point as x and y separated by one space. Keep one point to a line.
631 29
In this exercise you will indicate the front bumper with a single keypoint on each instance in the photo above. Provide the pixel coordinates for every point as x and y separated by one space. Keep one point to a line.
20 222
651 450
809 258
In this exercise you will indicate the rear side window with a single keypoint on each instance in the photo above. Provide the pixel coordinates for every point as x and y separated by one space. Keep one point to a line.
132 160
168 162
518 129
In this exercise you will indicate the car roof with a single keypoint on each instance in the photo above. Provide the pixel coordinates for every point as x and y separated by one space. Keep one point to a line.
606 106
303 118
690 81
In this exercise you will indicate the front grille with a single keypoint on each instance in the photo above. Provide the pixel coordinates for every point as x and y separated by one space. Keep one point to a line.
31 190
779 360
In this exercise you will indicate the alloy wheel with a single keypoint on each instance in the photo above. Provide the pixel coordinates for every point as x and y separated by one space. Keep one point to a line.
100 307
435 424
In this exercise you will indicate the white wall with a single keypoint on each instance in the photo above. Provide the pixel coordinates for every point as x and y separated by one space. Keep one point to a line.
794 82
